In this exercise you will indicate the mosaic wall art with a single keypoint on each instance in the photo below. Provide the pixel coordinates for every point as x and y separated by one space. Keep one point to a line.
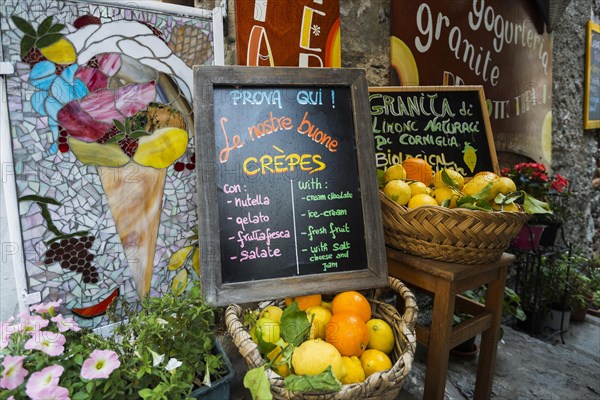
103 148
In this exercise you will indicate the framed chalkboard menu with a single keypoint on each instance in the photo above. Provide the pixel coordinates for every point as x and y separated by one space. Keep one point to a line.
448 126
287 185
591 108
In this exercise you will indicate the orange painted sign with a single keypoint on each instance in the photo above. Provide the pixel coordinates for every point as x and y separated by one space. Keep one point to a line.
304 33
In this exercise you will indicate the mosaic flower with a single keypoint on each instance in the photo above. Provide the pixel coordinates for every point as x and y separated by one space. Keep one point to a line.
100 364
13 373
42 382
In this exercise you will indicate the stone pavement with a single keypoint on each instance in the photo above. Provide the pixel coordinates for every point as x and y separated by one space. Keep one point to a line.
526 368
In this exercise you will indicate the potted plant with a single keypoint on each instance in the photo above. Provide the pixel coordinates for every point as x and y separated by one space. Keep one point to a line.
534 179
165 349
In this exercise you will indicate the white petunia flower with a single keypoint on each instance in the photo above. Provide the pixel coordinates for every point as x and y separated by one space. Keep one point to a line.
173 364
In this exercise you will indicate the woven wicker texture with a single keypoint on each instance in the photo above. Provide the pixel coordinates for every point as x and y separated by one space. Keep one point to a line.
453 235
385 385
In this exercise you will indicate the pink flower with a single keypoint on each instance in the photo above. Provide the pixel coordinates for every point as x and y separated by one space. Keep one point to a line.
43 308
65 324
41 382
14 373
100 364
32 322
53 393
49 342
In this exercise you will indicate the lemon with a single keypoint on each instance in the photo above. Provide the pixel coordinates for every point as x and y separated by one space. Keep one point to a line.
269 329
422 200
443 193
478 183
393 173
196 261
162 148
60 52
178 258
279 366
510 207
108 155
314 356
397 190
354 370
322 317
381 336
416 188
506 185
272 312
327 305
179 282
374 361
455 176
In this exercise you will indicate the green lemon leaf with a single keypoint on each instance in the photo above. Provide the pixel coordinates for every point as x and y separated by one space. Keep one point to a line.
26 44
531 205
485 192
48 40
323 382
23 25
380 173
447 180
257 382
44 26
295 325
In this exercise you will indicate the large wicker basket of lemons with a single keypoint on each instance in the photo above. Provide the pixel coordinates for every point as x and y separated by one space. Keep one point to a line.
439 216
353 347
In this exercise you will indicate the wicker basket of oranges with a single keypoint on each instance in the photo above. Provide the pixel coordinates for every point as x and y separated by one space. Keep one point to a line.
369 374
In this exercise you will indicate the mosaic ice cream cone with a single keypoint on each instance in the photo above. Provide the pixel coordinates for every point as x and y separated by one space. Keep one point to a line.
135 193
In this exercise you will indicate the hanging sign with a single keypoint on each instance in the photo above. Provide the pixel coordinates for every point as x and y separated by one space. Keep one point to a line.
288 194
304 33
446 125
591 109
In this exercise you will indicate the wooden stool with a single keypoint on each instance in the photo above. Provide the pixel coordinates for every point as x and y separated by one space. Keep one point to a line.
445 281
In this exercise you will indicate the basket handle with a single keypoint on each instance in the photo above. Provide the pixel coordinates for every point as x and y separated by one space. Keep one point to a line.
410 302
240 337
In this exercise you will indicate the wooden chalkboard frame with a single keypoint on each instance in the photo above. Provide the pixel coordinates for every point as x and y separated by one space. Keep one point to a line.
206 78
465 88
587 122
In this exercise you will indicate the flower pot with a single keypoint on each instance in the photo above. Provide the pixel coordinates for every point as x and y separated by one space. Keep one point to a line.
529 237
548 237
219 389
467 350
553 320
578 315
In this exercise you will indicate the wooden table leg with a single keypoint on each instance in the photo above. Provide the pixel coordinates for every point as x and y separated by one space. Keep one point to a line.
490 337
438 348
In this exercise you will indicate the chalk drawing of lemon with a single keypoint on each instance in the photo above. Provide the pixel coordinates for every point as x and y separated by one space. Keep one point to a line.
547 138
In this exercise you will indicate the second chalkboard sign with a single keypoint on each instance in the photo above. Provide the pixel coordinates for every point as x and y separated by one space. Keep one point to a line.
287 184
446 125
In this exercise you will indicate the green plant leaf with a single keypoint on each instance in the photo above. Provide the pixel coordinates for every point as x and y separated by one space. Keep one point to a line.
295 325
531 205
138 134
264 347
380 174
116 138
56 28
485 192
48 40
145 393
447 180
26 44
24 26
257 382
80 396
119 125
323 382
44 26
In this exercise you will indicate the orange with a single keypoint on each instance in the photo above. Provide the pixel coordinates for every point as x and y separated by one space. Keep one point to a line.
352 302
308 301
348 333
417 169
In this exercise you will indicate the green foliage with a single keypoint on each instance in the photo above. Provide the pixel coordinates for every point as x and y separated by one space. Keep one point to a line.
323 382
179 327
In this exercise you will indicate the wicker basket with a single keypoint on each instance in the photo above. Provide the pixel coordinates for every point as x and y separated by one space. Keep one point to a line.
385 385
453 235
